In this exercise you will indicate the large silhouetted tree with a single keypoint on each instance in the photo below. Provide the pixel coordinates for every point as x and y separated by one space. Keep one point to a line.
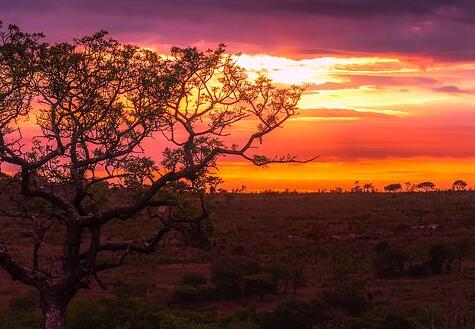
459 185
74 122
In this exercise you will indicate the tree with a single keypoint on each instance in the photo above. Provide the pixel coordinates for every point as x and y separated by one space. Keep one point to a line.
356 187
409 187
459 185
369 188
426 186
92 107
393 187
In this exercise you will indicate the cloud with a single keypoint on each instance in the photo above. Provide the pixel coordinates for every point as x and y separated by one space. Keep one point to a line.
451 89
339 114
360 9
357 81
432 28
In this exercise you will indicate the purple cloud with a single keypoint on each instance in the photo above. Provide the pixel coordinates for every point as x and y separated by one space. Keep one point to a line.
451 89
434 28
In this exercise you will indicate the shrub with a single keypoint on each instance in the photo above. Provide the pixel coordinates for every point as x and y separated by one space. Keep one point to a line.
418 270
441 258
129 314
394 321
194 279
462 250
179 320
288 273
186 293
295 314
234 276
239 251
193 287
244 324
390 263
226 277
381 246
259 284
353 297
26 302
19 320
130 289
245 319
113 314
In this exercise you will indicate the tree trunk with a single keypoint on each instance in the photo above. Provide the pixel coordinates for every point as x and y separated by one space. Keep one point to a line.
54 312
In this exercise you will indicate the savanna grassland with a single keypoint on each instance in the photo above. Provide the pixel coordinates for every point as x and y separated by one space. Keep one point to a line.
351 260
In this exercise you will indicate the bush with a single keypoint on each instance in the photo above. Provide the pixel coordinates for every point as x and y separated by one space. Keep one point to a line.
113 314
245 324
287 273
26 302
193 287
259 284
19 320
178 320
234 277
418 270
352 297
295 314
194 279
130 289
128 314
187 293
390 262
382 246
394 321
441 258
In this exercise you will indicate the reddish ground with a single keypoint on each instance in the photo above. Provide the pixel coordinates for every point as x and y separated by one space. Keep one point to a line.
325 232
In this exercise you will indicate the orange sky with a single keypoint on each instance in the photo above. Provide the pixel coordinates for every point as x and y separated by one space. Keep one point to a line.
391 94
378 119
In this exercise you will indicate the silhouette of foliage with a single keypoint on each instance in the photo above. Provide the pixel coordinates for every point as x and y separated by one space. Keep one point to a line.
426 186
459 185
95 102
393 187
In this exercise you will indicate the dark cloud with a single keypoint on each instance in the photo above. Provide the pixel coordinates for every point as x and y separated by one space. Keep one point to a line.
455 9
451 89
435 28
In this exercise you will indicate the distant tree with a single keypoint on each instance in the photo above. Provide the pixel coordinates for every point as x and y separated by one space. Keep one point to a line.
337 189
426 186
368 187
393 187
356 187
459 185
409 187
91 105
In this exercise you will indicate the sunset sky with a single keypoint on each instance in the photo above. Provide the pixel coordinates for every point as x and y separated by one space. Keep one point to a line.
391 94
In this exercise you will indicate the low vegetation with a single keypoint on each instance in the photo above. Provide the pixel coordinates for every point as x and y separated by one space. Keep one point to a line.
287 260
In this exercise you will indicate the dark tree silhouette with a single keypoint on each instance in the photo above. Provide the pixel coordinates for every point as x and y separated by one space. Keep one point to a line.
74 118
356 187
393 187
459 185
369 188
409 187
426 186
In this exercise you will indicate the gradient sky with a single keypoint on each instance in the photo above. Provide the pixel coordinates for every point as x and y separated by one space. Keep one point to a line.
392 83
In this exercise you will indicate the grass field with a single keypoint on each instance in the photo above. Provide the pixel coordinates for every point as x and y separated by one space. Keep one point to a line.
380 241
